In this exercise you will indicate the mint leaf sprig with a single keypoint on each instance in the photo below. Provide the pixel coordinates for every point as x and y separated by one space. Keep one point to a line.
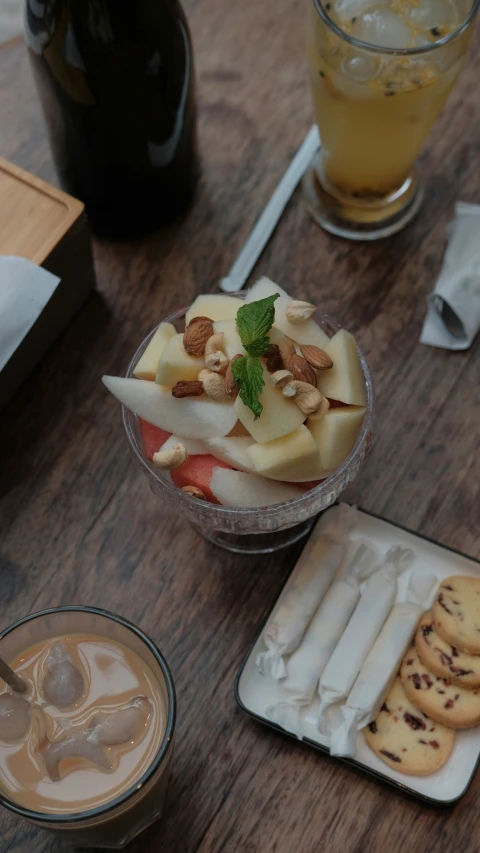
254 321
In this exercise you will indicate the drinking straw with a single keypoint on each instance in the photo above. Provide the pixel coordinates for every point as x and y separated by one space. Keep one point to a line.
11 678
267 222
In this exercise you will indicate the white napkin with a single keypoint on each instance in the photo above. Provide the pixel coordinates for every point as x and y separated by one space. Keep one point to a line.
25 289
453 317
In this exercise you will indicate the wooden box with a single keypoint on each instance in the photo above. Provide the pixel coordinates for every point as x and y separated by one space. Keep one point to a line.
50 228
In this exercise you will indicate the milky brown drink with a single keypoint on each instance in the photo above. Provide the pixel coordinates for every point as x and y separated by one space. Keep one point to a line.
92 727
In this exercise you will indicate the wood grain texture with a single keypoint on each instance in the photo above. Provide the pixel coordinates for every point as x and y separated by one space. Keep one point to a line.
78 524
34 215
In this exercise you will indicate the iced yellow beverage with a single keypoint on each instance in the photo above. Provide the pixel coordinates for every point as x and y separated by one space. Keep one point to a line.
380 74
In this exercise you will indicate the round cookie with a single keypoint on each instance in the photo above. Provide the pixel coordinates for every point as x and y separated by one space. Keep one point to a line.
443 659
407 740
442 700
456 613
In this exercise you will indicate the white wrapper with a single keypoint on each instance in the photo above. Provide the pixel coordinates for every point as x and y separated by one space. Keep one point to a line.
313 574
360 634
307 663
453 317
381 666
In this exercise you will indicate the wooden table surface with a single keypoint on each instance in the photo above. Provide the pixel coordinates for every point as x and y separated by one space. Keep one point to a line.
79 525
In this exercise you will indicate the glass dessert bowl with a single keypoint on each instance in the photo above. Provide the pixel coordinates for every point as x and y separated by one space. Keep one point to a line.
264 528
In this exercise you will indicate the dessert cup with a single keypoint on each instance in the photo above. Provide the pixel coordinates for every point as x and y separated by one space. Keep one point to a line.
256 530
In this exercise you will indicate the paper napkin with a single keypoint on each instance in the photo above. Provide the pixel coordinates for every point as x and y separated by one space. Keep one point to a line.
453 316
25 289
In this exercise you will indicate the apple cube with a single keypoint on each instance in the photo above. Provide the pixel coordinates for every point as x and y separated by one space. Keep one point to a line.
235 488
344 381
291 457
191 417
146 367
279 417
176 365
231 338
303 333
217 306
336 433
233 451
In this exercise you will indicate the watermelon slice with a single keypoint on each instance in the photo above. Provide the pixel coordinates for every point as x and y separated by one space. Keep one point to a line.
197 471
153 437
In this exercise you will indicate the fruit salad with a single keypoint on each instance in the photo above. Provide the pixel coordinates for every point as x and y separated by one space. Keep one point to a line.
252 404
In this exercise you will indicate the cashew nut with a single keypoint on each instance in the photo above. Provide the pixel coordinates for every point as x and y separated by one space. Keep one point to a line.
174 457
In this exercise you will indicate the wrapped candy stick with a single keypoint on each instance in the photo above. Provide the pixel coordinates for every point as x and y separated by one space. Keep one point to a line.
307 663
361 632
381 666
313 574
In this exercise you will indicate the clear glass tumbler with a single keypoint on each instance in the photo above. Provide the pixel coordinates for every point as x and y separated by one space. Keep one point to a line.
375 106
261 529
115 824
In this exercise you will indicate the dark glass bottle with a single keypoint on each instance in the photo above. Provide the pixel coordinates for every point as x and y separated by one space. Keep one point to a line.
116 83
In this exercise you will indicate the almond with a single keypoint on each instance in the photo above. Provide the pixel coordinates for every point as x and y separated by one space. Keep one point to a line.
300 369
190 388
317 357
196 335
231 386
200 319
274 358
286 347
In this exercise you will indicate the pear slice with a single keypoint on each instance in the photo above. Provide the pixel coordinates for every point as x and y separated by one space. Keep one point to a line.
191 417
233 451
235 488
146 367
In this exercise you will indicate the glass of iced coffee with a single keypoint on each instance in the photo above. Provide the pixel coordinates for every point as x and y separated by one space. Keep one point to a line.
85 750
380 72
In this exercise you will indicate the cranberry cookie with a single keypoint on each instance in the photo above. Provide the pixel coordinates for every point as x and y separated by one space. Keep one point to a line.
407 740
444 659
456 613
442 700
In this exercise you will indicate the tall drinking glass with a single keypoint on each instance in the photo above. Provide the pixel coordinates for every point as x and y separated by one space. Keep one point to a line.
380 72
99 810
